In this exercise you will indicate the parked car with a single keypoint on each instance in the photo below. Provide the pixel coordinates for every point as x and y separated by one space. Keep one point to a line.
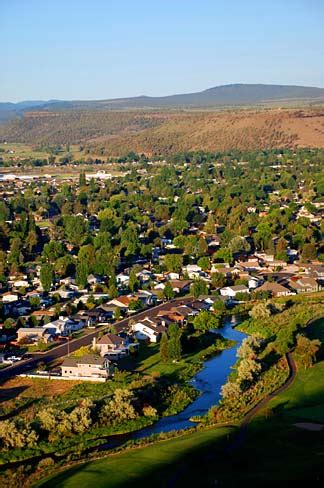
14 358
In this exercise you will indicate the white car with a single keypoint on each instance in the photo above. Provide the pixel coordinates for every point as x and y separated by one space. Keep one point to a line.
14 358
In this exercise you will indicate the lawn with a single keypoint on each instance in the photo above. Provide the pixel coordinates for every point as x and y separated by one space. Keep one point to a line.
148 360
148 466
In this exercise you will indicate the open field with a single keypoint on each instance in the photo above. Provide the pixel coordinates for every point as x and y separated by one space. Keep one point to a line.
109 133
149 466
19 388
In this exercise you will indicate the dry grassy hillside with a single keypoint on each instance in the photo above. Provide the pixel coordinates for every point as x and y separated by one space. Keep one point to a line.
169 131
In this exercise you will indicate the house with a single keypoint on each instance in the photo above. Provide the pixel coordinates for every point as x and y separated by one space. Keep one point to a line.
193 271
275 289
149 329
303 284
64 294
209 300
94 296
251 264
33 335
316 271
111 345
185 311
123 302
94 316
20 284
199 305
146 297
43 314
225 270
232 291
144 276
64 326
94 279
122 279
213 241
108 311
87 367
9 297
180 286
177 314
254 282
172 276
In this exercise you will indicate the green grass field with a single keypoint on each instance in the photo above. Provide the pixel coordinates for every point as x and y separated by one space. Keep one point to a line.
148 361
148 466
274 448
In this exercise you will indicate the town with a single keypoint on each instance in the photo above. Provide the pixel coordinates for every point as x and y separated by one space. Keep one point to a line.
120 285
64 270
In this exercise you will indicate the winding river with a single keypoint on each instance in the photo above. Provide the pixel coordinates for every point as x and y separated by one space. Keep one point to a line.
208 381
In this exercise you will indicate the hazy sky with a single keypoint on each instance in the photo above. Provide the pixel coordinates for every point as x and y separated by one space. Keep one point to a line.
88 49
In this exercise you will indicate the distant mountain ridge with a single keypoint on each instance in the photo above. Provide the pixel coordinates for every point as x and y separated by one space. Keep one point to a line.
238 94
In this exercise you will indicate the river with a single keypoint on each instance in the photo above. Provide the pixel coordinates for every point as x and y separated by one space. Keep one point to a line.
208 382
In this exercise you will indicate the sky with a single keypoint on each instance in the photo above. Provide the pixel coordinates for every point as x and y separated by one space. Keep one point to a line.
99 49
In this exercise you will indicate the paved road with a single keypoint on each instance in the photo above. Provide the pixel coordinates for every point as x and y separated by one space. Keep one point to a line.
62 350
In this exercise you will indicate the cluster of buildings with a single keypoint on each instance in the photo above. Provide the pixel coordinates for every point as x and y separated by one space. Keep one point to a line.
111 347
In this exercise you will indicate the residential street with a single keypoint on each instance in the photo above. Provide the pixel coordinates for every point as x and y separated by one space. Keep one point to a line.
64 349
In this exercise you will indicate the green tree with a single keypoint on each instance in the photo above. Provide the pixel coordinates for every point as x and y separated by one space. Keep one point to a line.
199 287
168 291
76 229
164 349
133 283
82 272
174 342
204 263
224 255
46 276
218 280
206 320
309 252
239 244
31 240
173 262
82 179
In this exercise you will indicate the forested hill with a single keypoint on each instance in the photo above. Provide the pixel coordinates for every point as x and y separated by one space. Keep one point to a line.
115 133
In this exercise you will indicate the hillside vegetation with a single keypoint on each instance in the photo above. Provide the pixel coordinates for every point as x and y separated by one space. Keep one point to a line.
114 133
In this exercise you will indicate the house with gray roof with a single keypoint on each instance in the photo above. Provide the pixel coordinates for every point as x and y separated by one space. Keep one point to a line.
88 367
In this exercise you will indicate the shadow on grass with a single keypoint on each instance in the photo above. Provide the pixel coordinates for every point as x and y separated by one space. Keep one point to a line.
273 450
11 393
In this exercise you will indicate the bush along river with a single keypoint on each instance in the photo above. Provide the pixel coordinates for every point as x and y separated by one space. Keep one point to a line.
208 382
